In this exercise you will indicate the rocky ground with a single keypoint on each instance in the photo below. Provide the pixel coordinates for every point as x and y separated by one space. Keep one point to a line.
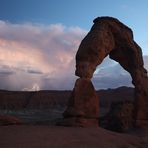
44 136
37 128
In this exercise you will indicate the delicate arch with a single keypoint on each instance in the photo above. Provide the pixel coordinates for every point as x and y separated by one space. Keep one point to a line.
108 36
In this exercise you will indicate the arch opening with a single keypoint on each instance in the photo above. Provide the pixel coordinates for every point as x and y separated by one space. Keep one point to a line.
110 75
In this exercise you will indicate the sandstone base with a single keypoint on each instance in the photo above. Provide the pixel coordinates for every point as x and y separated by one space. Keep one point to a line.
79 122
83 105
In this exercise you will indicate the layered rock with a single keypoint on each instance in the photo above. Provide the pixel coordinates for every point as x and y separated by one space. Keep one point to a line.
83 106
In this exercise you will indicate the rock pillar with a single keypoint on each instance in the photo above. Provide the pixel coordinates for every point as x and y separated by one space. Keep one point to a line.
83 106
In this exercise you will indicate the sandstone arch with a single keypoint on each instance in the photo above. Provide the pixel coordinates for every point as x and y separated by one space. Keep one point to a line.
108 36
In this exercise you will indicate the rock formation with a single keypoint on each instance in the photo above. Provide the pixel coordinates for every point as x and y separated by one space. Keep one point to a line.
119 118
83 105
108 36
9 120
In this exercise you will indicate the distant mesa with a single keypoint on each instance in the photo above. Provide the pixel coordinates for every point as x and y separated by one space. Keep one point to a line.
43 100
108 36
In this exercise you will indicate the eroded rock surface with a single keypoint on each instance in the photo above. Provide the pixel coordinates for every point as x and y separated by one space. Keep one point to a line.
119 118
108 36
83 106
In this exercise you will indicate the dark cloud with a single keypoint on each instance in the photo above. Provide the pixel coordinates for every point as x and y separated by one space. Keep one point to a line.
6 70
31 71
6 73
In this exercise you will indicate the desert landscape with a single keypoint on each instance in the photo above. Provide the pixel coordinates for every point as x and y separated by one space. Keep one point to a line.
83 117
49 105
23 136
66 82
34 124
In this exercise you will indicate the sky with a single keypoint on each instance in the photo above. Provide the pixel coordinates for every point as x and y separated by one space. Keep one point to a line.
39 40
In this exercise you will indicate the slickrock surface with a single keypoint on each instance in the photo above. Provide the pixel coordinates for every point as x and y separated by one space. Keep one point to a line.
68 137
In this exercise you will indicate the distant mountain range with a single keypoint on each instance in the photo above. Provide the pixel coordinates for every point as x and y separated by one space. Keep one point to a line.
45 99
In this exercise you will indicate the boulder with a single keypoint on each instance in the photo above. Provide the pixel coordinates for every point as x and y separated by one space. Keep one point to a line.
9 120
120 117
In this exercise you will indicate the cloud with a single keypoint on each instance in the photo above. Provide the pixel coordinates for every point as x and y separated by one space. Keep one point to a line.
111 75
35 87
5 70
35 56
32 71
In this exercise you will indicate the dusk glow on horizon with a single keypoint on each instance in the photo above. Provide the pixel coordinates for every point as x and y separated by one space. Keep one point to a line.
39 40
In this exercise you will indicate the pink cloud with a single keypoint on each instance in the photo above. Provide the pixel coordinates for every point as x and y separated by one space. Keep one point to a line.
35 56
38 52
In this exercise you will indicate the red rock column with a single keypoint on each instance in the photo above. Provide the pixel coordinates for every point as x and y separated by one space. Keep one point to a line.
140 80
83 106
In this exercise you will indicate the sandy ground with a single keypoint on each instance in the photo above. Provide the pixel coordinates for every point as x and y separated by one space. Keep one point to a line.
44 136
